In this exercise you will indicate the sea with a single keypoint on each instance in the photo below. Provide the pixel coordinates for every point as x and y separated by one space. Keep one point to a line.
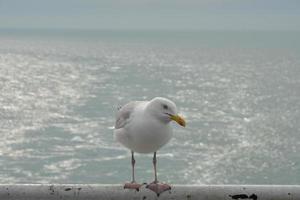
239 92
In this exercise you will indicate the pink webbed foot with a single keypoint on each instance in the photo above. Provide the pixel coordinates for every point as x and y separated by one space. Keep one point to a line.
158 188
132 186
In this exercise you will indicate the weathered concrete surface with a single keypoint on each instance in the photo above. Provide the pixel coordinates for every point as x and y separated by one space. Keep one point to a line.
111 192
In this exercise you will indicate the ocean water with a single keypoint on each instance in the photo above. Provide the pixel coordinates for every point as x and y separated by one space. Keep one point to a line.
239 92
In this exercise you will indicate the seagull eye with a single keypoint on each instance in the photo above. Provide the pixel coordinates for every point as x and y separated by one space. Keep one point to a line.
165 106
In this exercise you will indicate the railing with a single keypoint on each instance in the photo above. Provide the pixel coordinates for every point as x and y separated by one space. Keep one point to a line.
111 192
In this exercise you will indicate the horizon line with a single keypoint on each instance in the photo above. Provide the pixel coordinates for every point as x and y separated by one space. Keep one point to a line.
138 29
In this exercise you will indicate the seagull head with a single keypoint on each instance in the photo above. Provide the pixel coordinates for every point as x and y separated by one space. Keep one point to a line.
165 110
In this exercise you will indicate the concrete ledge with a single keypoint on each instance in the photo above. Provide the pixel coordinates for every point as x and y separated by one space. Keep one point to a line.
112 192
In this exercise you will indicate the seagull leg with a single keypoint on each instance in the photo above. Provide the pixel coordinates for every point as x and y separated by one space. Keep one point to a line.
155 186
133 185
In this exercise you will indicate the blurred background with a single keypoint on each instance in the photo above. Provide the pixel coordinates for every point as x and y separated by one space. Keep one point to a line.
231 66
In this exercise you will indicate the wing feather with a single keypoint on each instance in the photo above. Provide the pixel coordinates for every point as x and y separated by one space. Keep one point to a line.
124 113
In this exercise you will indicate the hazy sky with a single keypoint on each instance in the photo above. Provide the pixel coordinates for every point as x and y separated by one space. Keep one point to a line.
151 14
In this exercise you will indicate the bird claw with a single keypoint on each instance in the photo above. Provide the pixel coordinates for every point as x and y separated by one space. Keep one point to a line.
158 188
133 186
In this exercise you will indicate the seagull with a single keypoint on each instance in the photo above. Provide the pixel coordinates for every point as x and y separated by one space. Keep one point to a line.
144 127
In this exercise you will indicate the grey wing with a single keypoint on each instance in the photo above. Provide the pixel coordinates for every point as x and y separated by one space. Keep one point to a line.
124 114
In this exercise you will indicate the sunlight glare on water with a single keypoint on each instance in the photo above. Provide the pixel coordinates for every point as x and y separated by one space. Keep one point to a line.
59 97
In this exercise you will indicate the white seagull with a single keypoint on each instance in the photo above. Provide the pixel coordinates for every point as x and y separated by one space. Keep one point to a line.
143 127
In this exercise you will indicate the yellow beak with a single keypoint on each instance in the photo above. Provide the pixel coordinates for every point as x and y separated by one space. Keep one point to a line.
178 119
